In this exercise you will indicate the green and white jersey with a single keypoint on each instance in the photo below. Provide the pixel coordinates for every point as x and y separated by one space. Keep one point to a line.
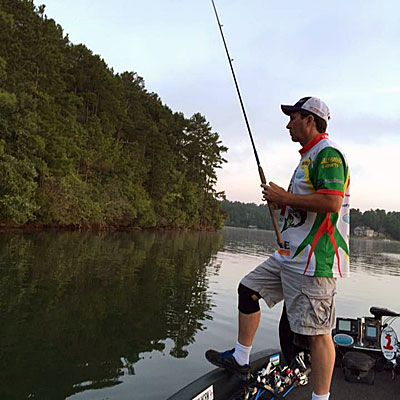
317 244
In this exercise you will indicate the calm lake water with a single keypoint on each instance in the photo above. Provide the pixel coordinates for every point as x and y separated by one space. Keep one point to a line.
130 315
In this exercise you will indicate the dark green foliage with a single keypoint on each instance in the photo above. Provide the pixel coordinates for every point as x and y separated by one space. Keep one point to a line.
244 215
379 220
83 146
392 224
72 304
17 188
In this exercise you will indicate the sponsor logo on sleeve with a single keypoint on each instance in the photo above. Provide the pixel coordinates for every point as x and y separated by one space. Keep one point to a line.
331 162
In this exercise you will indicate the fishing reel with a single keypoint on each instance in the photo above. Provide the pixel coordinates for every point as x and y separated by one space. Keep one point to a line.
276 381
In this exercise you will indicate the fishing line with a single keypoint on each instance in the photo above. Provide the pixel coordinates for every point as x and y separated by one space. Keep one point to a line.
260 170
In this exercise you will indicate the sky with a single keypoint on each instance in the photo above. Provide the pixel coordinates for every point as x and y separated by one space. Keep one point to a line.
346 52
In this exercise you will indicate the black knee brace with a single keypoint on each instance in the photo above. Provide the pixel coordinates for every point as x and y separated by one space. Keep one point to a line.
247 305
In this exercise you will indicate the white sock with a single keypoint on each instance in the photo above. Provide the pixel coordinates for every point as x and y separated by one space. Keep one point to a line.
320 396
242 354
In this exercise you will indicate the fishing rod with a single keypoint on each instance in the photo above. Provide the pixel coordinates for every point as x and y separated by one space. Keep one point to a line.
260 170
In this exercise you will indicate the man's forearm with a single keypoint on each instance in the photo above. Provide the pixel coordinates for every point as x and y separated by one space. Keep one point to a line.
315 202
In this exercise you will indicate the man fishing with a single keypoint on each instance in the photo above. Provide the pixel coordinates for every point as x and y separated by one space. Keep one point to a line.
315 232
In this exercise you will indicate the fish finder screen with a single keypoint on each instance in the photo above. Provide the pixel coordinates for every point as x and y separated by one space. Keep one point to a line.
344 325
371 331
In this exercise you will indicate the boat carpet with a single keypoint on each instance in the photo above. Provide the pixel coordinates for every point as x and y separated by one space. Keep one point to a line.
384 388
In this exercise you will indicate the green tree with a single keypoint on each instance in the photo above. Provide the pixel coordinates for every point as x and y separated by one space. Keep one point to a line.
84 146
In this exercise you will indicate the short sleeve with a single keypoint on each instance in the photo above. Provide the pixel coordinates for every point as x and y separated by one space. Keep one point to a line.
329 172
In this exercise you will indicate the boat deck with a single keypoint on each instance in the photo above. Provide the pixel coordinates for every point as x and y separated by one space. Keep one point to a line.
225 384
384 388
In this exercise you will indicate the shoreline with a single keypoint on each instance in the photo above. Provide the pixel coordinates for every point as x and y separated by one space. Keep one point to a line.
25 228
352 235
22 228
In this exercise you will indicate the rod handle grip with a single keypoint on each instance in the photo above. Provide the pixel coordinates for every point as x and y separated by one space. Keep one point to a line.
271 211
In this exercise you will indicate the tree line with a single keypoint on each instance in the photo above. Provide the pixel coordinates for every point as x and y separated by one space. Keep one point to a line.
380 221
243 215
81 145
249 214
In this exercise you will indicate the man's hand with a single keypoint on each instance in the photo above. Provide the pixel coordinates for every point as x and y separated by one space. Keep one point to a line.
315 202
274 194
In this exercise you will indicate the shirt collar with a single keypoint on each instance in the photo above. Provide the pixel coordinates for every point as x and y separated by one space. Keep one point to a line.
313 142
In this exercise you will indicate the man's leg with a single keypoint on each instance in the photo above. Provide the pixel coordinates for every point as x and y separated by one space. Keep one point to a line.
248 320
248 324
323 360
263 282
310 303
237 359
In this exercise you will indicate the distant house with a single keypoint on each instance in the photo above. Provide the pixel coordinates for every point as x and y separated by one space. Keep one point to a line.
365 231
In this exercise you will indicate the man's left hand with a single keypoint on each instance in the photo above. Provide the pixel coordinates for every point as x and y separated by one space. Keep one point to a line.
274 193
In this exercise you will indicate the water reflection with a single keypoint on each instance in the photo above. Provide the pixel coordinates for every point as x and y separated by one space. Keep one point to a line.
381 257
77 309
375 256
249 241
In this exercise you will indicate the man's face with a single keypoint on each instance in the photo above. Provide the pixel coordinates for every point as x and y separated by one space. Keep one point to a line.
297 127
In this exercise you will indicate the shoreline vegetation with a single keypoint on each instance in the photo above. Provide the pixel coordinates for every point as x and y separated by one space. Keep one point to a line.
83 147
21 228
377 223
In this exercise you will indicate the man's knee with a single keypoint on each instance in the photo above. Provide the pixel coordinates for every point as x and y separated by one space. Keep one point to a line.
248 300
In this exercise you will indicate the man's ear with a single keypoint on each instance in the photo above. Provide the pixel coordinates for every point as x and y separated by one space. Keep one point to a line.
310 119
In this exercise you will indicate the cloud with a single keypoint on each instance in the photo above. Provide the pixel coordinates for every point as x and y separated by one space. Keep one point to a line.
366 128
373 174
391 89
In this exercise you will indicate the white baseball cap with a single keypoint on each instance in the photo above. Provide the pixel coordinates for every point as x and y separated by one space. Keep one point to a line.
312 104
